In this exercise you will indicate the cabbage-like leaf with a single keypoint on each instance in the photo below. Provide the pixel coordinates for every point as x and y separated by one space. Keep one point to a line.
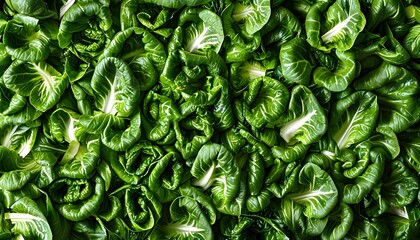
236 227
216 168
232 140
339 78
76 69
260 196
187 190
403 222
34 8
238 205
316 191
80 160
118 163
239 45
89 228
397 111
5 225
353 118
41 82
400 185
388 48
413 12
214 96
385 138
304 121
256 145
159 114
115 88
177 4
24 39
251 14
77 199
264 101
5 59
186 220
193 132
410 151
268 225
283 178
282 26
142 51
20 138
122 138
297 223
117 133
142 208
382 10
411 41
166 176
28 220
137 13
86 28
15 109
339 222
136 163
63 125
16 170
202 30
368 229
365 174
335 25
295 61
242 73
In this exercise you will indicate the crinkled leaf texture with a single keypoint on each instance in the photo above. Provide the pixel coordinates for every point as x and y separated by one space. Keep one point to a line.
316 191
335 25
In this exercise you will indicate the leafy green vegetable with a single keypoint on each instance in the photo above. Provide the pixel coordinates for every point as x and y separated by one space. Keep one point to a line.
334 24
24 40
41 82
199 119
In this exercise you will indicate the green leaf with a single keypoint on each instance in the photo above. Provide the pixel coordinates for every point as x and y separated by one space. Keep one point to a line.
186 220
282 26
334 24
252 14
28 220
339 78
115 88
216 168
316 191
304 121
411 41
409 142
41 82
86 26
166 176
33 8
295 61
19 138
400 185
24 39
77 199
370 174
264 101
202 30
397 110
353 118
142 208
339 222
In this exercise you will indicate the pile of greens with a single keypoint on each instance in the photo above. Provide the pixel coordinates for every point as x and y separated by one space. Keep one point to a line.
200 119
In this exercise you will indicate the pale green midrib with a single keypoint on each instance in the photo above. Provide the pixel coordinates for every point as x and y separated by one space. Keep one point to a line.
48 79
